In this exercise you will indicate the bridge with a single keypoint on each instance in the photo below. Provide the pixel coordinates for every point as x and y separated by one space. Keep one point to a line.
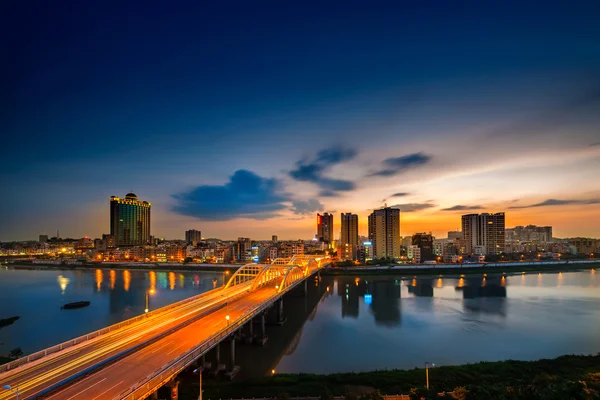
133 359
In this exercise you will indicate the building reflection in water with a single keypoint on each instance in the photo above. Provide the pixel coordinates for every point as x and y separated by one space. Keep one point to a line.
381 296
113 277
126 280
421 287
171 280
152 278
62 283
181 280
484 295
559 280
99 279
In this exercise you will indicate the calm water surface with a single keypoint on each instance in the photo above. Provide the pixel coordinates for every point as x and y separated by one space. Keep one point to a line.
388 322
37 296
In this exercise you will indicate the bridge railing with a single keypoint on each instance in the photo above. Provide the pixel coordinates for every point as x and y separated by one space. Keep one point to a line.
73 342
156 379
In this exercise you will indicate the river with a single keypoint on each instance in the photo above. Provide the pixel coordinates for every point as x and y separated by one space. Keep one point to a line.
344 324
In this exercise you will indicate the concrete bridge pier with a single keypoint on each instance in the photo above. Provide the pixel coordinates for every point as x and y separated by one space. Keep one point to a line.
205 364
279 318
262 336
305 287
249 337
154 396
233 369
174 386
218 366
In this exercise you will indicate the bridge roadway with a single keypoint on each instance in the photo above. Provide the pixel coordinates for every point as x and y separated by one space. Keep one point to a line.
148 344
35 377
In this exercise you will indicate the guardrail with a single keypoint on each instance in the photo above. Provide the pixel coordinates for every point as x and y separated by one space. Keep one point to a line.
70 343
156 379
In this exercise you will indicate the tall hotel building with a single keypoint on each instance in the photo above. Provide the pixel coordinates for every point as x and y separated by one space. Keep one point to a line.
349 237
129 220
325 228
384 232
484 233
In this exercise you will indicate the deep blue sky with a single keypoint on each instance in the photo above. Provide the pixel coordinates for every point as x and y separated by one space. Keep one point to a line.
165 98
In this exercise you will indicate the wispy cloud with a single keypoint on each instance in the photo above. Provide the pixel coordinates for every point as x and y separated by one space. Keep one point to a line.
304 207
595 144
313 171
556 202
413 207
397 165
399 194
461 207
246 195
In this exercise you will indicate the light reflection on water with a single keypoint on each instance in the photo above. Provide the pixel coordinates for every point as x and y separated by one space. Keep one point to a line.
37 295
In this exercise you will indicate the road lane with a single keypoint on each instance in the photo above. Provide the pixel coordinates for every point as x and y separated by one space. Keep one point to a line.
135 367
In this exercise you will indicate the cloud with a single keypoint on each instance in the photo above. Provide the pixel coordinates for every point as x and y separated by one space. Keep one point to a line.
246 195
399 194
313 171
304 207
555 202
460 207
328 193
595 144
398 165
413 207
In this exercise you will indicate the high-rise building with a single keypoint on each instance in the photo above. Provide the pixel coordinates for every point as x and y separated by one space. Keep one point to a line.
193 237
243 249
484 233
274 238
424 241
349 236
129 220
325 228
384 232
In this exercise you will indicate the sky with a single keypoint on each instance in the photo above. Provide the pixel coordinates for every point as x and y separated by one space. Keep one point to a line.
245 118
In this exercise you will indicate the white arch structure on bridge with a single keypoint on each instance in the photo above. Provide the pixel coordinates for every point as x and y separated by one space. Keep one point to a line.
282 271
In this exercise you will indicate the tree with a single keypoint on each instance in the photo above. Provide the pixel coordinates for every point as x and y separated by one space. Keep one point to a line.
15 353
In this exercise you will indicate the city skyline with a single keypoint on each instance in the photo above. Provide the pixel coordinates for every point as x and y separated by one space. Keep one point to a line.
233 130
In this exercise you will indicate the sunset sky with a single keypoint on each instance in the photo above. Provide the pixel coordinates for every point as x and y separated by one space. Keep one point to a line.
245 120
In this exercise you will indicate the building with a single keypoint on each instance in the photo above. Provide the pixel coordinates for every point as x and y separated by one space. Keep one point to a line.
455 235
129 220
274 238
43 239
325 228
530 233
384 232
243 250
413 253
349 236
484 234
424 241
193 237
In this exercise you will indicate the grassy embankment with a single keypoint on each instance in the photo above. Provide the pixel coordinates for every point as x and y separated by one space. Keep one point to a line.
563 372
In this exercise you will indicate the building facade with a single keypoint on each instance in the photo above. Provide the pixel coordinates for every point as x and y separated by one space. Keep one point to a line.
349 236
325 228
193 237
424 241
484 234
384 232
129 220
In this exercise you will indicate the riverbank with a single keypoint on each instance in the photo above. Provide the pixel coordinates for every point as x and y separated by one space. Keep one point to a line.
175 267
458 269
561 375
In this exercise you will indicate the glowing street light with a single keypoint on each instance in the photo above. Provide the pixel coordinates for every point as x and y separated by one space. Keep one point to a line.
227 318
427 365
272 372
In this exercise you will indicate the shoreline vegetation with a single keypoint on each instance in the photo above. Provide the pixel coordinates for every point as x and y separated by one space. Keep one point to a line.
565 377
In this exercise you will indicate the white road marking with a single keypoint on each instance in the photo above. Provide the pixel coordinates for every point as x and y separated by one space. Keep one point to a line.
88 388
107 390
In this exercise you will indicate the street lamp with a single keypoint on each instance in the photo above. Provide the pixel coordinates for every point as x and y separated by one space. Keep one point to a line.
226 273
427 365
15 391
227 318
148 293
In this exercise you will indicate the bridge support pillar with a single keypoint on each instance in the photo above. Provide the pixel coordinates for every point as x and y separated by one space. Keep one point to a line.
154 396
249 337
174 386
279 312
305 287
233 369
218 366
262 337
